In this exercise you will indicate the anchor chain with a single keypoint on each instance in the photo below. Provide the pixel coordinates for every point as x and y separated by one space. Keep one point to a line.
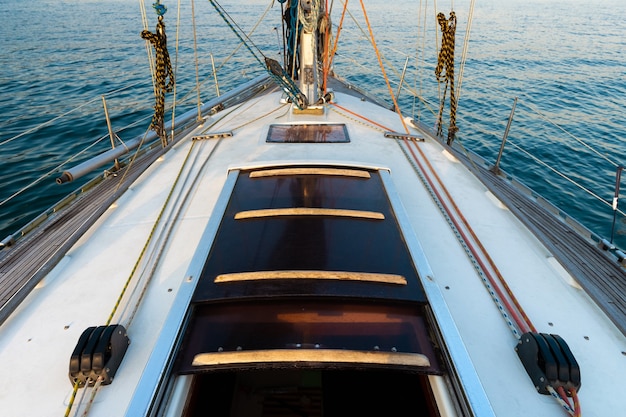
164 76
446 61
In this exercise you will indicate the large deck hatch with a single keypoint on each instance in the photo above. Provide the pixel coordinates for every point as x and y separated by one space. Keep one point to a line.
308 268
309 231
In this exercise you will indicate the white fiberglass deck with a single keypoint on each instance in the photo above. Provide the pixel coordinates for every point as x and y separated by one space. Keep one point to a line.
81 291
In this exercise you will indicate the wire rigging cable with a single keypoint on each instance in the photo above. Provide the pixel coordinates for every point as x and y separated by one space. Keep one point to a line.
382 68
466 39
272 66
164 75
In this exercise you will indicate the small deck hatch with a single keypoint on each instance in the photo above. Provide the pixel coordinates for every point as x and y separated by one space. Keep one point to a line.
308 133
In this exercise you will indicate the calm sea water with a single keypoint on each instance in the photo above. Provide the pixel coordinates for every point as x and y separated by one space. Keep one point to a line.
563 59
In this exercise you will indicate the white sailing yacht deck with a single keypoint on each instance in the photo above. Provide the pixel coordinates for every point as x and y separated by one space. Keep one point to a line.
153 230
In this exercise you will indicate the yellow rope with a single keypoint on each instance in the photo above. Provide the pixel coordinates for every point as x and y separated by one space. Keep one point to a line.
152 232
163 71
127 284
446 62
72 398
145 247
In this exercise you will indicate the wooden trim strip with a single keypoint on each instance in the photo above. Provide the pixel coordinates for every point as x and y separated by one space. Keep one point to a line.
297 274
338 172
309 211
311 355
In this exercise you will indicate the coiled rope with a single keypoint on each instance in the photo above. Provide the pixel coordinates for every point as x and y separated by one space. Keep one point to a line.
164 76
445 62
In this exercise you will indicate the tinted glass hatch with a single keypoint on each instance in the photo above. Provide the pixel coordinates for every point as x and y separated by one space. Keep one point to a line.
309 219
